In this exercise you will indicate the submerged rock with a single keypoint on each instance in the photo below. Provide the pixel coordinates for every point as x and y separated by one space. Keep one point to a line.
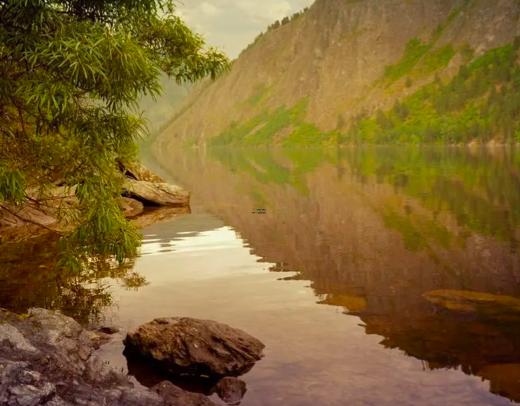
478 304
231 390
353 304
177 396
48 359
195 347
160 194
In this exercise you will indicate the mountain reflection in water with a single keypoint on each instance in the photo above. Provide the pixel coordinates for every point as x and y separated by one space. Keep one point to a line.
374 229
331 258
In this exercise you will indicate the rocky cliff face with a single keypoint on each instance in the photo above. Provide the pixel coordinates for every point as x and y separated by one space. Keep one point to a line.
340 58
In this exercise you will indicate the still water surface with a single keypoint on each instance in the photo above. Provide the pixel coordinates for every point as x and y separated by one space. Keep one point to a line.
325 256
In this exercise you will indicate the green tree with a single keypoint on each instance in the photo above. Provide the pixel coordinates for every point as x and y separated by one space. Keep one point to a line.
71 72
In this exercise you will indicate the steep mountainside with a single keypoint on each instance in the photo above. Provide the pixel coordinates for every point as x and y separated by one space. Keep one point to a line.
157 111
368 70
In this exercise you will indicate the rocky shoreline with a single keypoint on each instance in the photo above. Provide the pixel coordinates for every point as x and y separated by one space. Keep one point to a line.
49 359
143 193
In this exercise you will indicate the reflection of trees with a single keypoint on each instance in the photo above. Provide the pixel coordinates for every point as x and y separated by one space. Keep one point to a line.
29 277
480 188
486 348
376 234
442 341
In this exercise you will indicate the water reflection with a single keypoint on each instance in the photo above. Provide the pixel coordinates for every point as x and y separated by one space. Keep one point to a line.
157 244
374 229
30 277
371 230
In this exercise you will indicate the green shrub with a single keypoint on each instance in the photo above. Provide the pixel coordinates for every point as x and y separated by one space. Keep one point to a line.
482 101
414 51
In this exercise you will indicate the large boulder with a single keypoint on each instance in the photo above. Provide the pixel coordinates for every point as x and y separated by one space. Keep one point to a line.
159 194
196 347
44 210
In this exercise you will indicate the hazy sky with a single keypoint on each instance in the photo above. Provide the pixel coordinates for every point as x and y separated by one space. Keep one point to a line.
232 24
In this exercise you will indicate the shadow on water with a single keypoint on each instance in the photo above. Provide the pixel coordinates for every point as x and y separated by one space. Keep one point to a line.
150 375
29 277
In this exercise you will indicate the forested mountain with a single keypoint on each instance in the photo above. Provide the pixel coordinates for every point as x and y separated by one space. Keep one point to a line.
368 71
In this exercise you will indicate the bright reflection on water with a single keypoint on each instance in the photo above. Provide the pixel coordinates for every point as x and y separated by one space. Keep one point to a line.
184 242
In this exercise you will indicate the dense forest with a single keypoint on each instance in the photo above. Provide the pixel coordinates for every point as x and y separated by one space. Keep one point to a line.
481 102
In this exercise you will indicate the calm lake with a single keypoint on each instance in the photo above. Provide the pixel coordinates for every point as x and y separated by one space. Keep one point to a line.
325 256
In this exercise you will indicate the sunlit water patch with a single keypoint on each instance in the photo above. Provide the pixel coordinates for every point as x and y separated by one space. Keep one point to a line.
188 242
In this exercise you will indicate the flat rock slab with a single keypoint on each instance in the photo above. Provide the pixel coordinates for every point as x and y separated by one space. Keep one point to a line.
195 347
159 194
138 171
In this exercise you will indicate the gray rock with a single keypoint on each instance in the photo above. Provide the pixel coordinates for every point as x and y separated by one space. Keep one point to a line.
197 347
48 359
231 390
12 336
161 194
21 386
142 396
30 395
173 395
57 401
70 343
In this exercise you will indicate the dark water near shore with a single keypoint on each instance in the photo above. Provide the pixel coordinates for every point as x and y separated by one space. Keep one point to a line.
326 256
